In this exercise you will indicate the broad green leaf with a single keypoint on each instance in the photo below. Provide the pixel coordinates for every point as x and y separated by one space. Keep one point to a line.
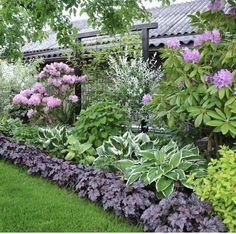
133 177
124 164
163 183
224 128
215 123
154 174
169 190
198 121
175 159
214 115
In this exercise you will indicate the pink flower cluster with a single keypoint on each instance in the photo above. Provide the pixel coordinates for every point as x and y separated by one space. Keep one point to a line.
60 80
222 78
219 5
173 43
192 56
213 36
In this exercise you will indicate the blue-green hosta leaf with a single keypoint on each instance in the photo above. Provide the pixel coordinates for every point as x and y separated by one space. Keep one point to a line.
133 177
169 190
176 159
124 164
163 183
154 174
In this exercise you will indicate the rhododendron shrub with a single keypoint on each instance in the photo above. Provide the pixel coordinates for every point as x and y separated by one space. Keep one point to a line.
200 84
51 97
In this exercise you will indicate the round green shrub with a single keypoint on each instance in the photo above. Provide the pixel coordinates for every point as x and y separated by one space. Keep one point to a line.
100 121
219 187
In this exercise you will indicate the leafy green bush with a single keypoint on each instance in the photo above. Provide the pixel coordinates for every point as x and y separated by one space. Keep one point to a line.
54 139
127 146
26 134
100 121
218 187
7 125
166 167
81 153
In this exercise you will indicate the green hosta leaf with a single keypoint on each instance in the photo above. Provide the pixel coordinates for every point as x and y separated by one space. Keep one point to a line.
172 175
166 168
159 156
133 177
185 165
175 159
154 174
169 190
70 156
185 184
147 154
163 183
124 164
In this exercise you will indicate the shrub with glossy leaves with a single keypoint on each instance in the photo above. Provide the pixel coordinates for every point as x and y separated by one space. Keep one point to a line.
181 213
219 187
100 121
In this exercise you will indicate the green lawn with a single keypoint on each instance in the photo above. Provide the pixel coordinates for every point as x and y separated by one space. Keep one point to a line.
30 204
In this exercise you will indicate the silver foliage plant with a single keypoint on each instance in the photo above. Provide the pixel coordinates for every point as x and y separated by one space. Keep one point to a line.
131 79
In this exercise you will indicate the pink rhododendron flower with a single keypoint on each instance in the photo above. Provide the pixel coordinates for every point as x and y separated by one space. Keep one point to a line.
52 101
34 100
40 75
223 78
215 5
20 99
46 109
26 92
73 98
208 78
64 88
173 43
192 56
30 113
146 98
80 78
39 87
55 82
69 79
213 36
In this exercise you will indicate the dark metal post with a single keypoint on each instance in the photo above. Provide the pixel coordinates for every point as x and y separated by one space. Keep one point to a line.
145 43
78 72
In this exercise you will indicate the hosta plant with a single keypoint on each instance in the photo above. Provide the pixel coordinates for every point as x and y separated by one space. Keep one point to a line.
166 168
79 152
54 140
126 146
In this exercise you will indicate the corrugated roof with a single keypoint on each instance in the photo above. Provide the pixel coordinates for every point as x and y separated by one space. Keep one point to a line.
172 20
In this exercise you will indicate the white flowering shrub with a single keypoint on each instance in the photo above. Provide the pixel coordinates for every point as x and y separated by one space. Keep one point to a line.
133 82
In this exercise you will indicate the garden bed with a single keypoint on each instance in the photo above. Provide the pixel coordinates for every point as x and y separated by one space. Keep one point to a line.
113 194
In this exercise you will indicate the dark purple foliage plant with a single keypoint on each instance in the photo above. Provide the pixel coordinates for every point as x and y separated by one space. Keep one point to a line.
181 213
178 213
